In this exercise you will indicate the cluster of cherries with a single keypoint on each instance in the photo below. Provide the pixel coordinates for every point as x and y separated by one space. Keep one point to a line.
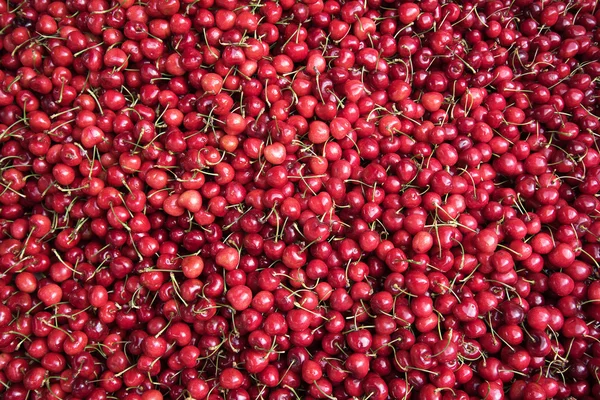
299 199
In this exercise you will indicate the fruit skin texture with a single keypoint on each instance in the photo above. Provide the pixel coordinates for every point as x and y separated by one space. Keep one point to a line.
222 199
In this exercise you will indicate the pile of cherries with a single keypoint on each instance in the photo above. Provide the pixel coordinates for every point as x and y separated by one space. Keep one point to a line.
299 199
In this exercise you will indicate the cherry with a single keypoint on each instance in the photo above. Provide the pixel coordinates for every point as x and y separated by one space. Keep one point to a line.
50 294
191 191
231 379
